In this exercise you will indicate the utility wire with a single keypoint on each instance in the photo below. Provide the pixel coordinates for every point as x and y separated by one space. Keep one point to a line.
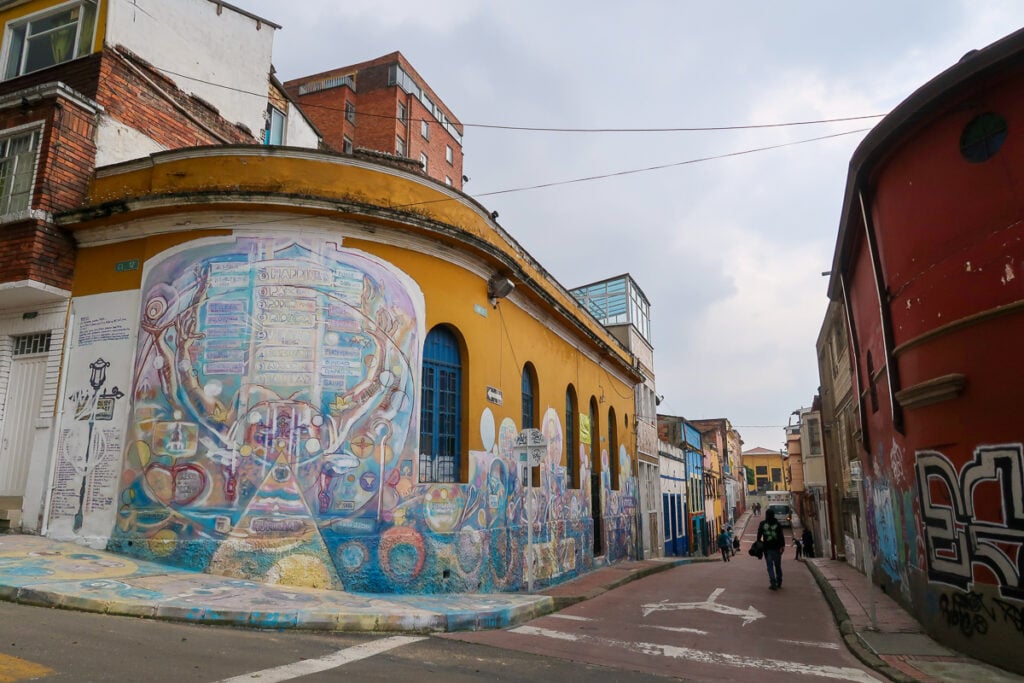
648 168
543 129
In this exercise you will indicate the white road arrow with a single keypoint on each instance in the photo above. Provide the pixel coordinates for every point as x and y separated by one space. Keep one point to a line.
749 615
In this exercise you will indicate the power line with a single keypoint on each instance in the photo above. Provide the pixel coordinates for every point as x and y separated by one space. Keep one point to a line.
545 129
670 165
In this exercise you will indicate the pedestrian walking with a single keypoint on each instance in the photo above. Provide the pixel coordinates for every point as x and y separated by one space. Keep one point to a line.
808 541
769 532
799 547
734 543
725 545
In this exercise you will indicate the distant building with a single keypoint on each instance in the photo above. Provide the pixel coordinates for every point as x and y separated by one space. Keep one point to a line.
622 307
674 484
383 104
770 470
678 432
929 268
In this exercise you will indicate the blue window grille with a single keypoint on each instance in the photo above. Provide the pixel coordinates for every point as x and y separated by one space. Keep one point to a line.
440 414
528 391
570 439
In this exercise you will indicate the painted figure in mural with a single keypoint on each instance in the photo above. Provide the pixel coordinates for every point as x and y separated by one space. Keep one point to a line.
725 545
769 532
807 538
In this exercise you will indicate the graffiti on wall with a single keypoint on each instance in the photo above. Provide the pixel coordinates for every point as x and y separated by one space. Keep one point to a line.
273 435
974 518
893 517
971 613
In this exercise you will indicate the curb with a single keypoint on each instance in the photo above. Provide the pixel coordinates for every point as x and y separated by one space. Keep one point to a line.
850 637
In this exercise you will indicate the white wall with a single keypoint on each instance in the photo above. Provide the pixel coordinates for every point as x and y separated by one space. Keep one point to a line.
189 38
116 142
299 132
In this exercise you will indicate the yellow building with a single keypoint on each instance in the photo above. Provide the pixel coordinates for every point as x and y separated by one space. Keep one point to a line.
769 468
306 368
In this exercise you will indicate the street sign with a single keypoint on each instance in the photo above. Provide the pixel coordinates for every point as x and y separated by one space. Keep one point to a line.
530 447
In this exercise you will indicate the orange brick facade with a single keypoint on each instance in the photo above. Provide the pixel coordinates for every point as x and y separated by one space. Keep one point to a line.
377 125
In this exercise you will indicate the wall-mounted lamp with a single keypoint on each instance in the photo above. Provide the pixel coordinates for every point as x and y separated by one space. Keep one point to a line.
498 287
658 398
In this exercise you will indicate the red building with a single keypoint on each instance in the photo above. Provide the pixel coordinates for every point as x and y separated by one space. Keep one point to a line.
929 265
384 105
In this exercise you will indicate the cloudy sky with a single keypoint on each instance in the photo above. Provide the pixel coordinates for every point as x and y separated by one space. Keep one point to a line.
729 251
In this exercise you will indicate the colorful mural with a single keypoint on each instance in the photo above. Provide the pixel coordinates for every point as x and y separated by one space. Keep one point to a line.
274 430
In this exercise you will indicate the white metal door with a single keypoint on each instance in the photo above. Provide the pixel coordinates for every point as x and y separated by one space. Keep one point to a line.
24 397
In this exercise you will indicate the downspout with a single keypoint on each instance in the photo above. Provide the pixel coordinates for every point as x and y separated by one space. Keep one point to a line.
891 375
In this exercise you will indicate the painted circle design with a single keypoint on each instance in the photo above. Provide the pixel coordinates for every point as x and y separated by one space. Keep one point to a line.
402 553
487 429
352 556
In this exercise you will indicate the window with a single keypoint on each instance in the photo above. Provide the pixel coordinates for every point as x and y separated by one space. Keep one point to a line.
982 137
17 170
424 161
529 386
401 112
761 469
571 430
399 146
48 38
447 180
425 129
274 132
449 154
613 448
814 435
346 143
350 112
28 344
776 475
440 413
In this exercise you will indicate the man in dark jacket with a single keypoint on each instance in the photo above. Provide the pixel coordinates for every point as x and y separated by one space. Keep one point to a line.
769 532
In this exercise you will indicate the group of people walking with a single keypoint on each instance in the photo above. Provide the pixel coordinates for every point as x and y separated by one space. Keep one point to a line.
770 543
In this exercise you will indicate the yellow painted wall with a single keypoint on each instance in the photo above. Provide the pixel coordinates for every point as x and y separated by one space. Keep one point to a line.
497 344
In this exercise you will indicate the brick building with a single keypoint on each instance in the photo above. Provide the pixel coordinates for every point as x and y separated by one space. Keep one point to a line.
384 105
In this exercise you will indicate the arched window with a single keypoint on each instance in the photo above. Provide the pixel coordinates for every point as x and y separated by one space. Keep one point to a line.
441 411
572 428
529 386
613 448
530 419
595 439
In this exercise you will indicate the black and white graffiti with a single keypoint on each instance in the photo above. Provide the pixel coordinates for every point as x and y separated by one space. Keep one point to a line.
974 517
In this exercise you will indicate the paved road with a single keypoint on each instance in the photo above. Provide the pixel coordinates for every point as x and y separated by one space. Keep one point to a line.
709 621
59 645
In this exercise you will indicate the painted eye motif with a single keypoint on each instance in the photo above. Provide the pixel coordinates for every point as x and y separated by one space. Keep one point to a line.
156 307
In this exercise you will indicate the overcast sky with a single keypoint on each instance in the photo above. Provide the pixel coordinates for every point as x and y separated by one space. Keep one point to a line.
730 252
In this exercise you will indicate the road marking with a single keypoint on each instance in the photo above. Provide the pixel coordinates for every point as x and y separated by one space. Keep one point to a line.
811 643
16 669
306 667
571 617
677 629
750 615
707 657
